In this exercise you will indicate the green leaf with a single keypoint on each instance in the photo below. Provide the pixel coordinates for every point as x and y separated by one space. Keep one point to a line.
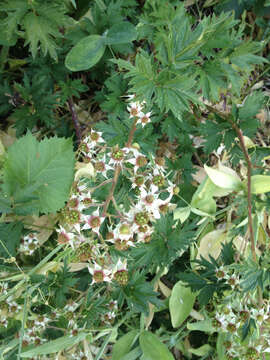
201 351
181 303
39 32
252 105
221 350
211 244
153 348
86 53
64 342
224 177
260 184
10 235
204 326
121 33
181 213
39 174
123 345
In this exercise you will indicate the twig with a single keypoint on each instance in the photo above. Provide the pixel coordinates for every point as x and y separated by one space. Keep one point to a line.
110 196
118 170
75 120
131 134
249 170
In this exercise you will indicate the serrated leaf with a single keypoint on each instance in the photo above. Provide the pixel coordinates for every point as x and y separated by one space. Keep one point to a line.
39 31
10 235
252 105
181 303
123 345
64 342
40 172
153 348
121 33
86 53
260 184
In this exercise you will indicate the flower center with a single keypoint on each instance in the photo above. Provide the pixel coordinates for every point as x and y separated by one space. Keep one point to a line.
139 180
142 218
158 180
98 276
95 222
141 161
99 166
94 136
118 155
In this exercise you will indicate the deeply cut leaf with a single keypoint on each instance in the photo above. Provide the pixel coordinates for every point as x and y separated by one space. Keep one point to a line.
38 175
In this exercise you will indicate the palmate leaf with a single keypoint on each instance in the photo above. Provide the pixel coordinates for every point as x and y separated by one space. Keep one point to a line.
38 175
38 23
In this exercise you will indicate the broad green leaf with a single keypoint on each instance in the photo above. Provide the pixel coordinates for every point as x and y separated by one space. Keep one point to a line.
86 53
38 175
202 201
224 177
201 351
64 342
121 33
260 184
123 345
181 213
10 235
181 303
204 326
211 244
153 348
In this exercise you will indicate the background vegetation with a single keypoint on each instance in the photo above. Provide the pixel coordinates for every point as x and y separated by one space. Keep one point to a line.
134 162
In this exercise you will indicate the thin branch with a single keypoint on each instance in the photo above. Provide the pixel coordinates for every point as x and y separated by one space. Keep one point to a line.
75 120
118 170
249 170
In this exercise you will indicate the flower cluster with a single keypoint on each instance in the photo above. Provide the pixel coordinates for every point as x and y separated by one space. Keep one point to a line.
118 194
231 319
89 221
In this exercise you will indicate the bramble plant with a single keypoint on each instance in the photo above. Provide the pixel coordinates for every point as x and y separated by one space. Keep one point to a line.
134 188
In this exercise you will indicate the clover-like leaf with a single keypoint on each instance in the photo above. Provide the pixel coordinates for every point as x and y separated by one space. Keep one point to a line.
86 53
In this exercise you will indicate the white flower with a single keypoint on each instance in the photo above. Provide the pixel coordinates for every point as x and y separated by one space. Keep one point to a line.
99 274
93 221
120 266
117 156
144 118
123 231
102 167
94 139
65 237
134 109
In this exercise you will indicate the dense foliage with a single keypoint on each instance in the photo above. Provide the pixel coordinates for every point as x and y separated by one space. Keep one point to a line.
134 189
